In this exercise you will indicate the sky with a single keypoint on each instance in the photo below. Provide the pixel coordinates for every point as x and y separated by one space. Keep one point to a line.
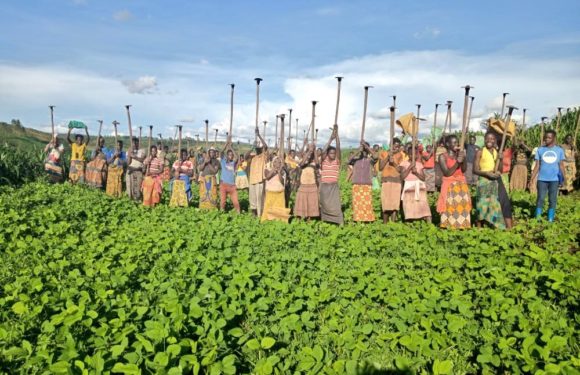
173 62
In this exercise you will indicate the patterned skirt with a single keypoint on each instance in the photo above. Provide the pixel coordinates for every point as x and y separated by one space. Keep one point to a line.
152 189
488 207
94 173
180 192
208 195
115 181
519 177
275 207
77 171
454 205
391 196
54 172
307 204
569 175
362 203
242 181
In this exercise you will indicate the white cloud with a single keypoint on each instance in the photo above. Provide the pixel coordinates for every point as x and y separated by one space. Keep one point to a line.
541 84
141 85
427 32
122 15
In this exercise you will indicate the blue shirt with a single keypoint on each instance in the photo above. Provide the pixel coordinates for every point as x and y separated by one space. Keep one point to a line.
550 158
228 174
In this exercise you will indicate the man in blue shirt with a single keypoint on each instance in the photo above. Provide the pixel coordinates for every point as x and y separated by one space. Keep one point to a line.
229 166
549 167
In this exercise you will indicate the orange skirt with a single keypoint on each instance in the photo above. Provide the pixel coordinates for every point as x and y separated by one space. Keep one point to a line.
362 203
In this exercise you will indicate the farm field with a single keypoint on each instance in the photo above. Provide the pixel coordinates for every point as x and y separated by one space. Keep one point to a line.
92 285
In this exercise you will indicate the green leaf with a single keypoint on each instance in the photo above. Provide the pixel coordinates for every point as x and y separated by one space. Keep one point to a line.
19 308
60 367
128 369
442 367
267 342
253 344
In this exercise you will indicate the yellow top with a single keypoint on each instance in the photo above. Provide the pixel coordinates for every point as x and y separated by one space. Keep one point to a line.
308 176
78 152
487 161
257 168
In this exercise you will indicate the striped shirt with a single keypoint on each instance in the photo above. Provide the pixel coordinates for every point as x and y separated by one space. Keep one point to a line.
156 166
329 172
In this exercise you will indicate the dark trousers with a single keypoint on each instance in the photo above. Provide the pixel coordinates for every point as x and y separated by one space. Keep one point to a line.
550 188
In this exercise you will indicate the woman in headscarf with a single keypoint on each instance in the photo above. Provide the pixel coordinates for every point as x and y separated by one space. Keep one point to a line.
180 185
208 169
330 205
152 183
307 204
493 204
454 203
52 164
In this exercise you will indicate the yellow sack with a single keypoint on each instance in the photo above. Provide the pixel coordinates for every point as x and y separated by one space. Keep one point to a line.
499 126
407 122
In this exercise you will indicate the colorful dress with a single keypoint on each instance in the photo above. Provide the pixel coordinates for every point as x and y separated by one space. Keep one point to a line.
362 195
208 193
152 183
414 194
181 187
76 173
454 203
330 204
488 206
115 175
429 171
569 168
242 176
275 202
95 170
52 164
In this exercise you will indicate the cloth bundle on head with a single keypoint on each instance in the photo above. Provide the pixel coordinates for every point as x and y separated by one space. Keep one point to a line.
76 125
407 123
498 126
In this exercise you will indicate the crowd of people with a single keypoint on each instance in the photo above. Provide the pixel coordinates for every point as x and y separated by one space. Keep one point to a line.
405 174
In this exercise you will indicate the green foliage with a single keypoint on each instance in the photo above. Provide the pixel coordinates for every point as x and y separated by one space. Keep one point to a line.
18 166
90 284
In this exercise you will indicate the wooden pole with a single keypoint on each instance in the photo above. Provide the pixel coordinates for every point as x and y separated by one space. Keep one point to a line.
179 127
339 79
264 133
464 118
100 129
415 129
150 138
231 111
215 138
276 133
362 132
296 139
313 118
558 121
52 121
289 130
258 80
115 123
281 144
140 127
206 134
448 118
504 136
315 137
127 107
542 130
503 104
434 141
470 110
392 127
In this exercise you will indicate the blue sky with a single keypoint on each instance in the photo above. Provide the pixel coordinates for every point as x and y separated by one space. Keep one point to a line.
173 59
